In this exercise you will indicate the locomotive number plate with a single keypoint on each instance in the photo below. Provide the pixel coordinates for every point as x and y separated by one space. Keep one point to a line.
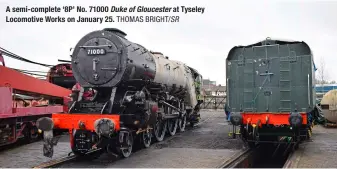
96 51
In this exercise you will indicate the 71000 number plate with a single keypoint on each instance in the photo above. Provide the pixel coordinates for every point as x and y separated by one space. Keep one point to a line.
96 51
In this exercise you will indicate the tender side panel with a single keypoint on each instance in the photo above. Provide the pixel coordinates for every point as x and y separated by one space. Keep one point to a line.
274 78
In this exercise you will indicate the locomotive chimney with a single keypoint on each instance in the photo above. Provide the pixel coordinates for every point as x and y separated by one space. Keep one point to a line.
166 57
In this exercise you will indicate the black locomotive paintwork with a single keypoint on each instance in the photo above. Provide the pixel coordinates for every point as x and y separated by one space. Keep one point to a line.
122 62
121 73
64 81
122 76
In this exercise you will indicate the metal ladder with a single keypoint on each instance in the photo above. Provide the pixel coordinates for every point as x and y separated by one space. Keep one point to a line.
285 83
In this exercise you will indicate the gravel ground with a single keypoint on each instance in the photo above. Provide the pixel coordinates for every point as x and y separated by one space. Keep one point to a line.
206 145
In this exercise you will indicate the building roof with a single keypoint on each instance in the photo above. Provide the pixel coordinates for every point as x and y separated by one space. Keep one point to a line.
208 82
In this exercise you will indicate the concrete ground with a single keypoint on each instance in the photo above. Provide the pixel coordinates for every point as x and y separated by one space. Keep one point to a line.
206 145
319 152
31 154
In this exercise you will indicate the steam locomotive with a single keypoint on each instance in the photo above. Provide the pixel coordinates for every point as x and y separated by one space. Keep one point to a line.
270 91
138 95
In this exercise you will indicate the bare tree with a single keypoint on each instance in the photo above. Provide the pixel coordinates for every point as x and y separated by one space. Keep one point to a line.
321 74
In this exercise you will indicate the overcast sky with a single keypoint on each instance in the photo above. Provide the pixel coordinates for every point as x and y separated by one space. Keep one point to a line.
200 40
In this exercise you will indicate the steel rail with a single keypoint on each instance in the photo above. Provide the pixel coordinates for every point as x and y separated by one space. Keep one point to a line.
53 163
236 159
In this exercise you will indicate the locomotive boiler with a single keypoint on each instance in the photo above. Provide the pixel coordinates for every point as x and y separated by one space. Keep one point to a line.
138 95
270 91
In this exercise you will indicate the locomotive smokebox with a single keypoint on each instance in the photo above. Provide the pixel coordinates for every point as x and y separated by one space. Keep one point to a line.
106 58
99 58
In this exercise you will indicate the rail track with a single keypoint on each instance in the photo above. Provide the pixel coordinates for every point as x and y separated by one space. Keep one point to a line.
56 162
62 160
291 161
257 158
243 159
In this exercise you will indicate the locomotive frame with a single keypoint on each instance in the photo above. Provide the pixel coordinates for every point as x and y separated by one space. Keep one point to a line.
270 91
139 95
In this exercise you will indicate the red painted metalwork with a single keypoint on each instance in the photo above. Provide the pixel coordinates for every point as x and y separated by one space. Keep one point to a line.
18 115
60 70
6 101
8 109
274 118
2 60
71 121
66 100
19 81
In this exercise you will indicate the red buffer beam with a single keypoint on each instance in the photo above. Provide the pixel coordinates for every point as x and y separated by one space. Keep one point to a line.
19 81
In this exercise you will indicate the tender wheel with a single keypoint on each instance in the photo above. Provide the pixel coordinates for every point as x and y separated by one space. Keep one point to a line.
146 138
172 125
160 130
126 149
182 123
